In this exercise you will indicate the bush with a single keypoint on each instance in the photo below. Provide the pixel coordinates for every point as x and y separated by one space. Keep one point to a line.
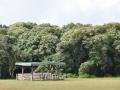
86 76
88 68
70 75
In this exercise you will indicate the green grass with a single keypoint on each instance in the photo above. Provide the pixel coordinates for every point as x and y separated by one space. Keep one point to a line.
68 84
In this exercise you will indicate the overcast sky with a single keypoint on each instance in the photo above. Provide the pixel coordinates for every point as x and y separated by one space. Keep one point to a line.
59 11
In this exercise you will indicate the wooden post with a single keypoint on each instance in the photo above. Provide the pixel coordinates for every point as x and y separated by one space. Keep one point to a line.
22 73
31 72
0 70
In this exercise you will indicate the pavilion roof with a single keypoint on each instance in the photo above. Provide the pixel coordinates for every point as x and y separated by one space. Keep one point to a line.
39 63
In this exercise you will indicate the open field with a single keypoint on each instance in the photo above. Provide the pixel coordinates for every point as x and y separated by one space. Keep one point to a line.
69 84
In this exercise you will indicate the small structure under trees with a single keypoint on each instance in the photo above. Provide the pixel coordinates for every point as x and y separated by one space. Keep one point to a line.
47 70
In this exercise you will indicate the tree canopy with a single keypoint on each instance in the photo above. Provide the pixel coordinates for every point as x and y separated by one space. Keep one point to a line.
86 49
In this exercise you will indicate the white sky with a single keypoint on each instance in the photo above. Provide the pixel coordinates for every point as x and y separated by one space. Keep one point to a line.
59 11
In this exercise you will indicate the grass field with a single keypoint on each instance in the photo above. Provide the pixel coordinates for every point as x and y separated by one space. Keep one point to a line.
69 84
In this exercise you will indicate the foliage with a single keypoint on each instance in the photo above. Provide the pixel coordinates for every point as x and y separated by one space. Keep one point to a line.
92 50
88 67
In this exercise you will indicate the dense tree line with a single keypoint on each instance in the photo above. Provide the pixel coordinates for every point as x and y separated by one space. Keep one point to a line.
86 49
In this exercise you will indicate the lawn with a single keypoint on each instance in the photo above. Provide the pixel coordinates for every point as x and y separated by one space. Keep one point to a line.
69 84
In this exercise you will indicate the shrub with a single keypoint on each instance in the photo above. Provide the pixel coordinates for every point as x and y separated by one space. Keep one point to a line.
88 68
83 75
70 75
